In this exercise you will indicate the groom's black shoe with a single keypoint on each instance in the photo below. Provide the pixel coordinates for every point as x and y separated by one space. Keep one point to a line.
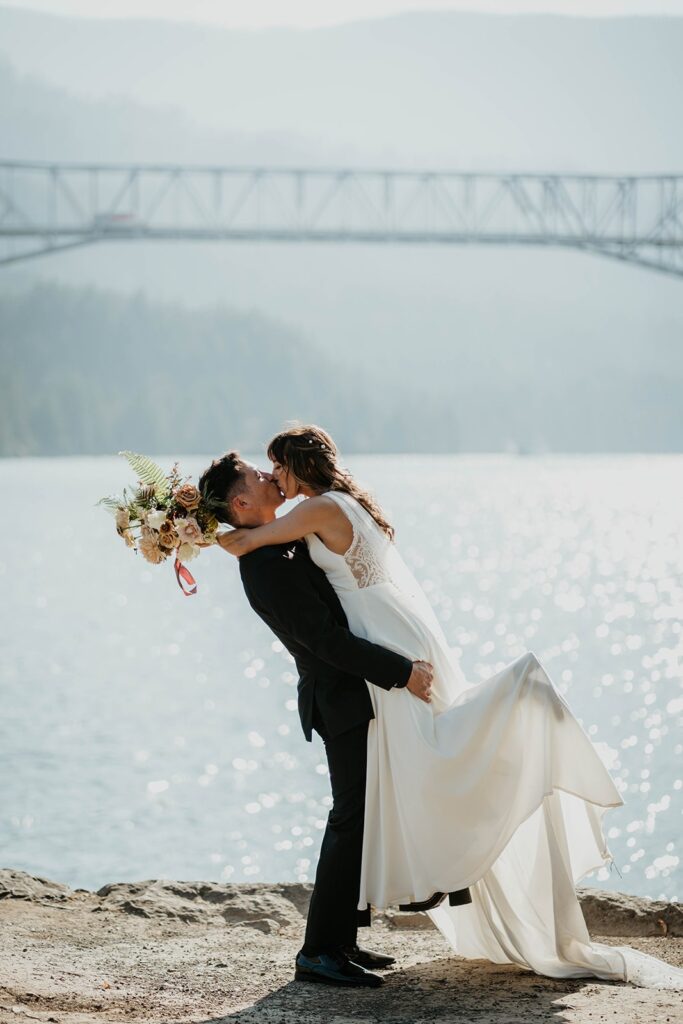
457 898
429 904
334 969
367 957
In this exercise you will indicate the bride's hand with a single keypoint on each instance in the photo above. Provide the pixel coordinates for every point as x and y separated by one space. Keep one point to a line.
233 541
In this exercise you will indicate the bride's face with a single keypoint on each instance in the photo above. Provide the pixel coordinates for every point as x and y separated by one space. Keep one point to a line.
286 481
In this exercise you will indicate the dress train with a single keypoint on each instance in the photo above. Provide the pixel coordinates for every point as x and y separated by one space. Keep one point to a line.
493 786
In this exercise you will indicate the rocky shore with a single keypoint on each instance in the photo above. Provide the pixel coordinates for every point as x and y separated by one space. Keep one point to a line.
167 951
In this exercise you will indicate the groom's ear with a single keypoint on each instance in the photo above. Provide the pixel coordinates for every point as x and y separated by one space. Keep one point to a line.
240 503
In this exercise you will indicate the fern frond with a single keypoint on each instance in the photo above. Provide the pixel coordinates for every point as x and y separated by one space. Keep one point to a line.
111 503
148 472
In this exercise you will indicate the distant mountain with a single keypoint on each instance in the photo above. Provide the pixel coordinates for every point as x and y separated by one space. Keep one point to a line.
430 88
41 122
531 348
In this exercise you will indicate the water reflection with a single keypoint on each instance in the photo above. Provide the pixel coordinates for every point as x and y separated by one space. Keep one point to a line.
145 735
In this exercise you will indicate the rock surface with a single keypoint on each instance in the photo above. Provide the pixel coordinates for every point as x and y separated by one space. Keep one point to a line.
194 902
616 913
173 951
19 885
606 913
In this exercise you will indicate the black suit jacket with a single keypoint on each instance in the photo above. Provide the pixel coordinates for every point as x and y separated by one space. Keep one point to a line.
294 597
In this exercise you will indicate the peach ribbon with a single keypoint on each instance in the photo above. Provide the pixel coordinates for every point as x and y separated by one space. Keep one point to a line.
182 573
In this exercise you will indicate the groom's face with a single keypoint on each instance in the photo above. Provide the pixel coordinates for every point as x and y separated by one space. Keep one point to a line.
259 497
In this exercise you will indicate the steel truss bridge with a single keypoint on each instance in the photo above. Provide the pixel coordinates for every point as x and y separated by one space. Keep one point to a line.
51 207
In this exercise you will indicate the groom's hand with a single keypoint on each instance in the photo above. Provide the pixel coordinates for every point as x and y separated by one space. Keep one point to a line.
420 682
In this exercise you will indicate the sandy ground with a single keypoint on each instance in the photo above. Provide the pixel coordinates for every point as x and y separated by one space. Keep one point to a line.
81 960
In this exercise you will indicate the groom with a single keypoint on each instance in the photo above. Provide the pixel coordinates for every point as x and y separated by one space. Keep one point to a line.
294 597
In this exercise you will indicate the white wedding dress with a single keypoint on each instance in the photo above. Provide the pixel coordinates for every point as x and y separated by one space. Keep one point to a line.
493 785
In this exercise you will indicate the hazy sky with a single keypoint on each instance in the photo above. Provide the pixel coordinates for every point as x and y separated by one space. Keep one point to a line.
309 13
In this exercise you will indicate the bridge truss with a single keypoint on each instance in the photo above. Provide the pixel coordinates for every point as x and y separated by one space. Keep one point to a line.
51 207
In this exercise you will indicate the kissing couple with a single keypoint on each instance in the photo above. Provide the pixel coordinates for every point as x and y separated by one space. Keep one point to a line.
478 803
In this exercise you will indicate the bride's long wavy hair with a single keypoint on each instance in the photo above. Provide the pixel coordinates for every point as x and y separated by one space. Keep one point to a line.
310 455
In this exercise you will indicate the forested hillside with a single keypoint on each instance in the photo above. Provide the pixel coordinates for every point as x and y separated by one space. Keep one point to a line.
88 371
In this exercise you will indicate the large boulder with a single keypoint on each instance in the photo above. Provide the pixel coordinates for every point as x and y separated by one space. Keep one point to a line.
19 885
617 913
201 901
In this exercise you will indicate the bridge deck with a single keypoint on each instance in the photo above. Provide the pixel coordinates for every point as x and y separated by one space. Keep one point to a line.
46 208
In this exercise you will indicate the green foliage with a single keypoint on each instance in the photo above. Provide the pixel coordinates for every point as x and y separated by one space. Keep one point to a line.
149 473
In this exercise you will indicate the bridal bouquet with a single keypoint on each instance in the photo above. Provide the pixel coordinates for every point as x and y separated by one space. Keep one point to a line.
163 516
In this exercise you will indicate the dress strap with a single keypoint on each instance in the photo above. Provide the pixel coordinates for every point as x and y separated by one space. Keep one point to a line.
361 520
365 556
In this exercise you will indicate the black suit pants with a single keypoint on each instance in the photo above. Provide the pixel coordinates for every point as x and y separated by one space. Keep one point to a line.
333 917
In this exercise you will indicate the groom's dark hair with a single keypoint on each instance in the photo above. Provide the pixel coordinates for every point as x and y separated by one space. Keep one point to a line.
220 483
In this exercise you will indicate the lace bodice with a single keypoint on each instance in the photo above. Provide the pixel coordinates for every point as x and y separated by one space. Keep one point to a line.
366 561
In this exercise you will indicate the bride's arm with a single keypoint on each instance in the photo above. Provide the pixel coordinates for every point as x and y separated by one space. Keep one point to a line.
309 516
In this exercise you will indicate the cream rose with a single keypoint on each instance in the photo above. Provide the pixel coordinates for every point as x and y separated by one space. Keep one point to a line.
156 518
189 530
186 552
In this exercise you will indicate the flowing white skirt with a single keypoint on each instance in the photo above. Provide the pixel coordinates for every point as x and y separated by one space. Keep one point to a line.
495 786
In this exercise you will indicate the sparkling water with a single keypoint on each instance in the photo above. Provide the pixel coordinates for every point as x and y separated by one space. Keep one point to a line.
145 734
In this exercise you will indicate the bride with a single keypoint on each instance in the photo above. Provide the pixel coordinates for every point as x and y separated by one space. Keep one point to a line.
493 786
